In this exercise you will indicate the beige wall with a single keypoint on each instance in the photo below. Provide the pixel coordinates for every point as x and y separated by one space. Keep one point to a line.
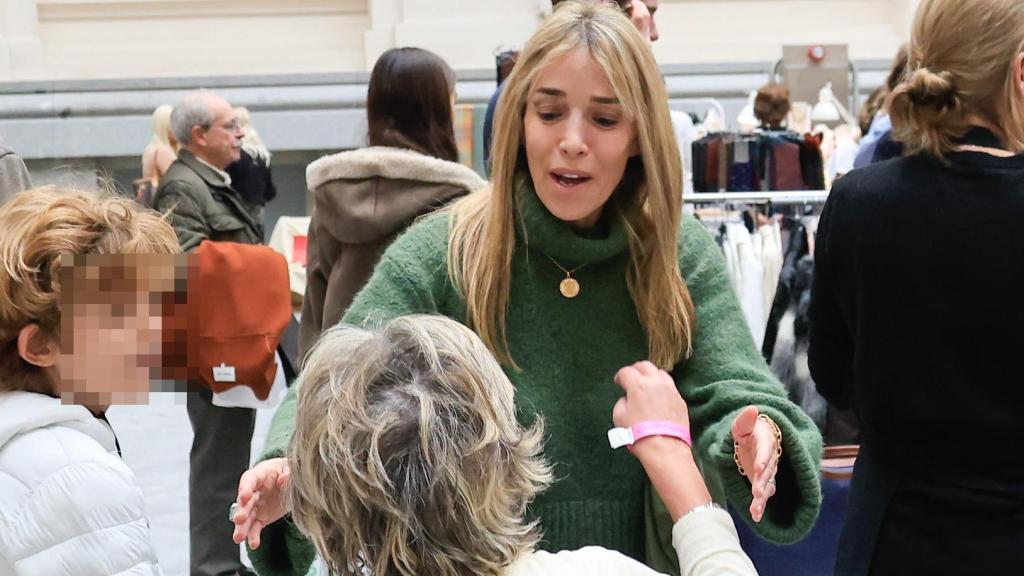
93 39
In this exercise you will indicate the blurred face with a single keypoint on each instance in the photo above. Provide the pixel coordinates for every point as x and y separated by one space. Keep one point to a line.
578 139
220 143
113 348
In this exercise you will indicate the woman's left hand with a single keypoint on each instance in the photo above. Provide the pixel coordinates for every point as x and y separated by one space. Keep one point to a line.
758 450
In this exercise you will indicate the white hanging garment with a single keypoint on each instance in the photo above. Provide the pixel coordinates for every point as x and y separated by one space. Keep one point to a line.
768 241
751 273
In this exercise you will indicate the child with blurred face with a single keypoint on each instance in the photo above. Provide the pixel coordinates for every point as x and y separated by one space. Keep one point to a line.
84 281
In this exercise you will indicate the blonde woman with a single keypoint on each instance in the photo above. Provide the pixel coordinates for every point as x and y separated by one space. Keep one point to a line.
571 265
162 149
458 507
250 175
916 321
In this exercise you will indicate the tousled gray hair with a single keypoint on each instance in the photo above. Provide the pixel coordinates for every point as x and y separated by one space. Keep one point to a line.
407 458
194 110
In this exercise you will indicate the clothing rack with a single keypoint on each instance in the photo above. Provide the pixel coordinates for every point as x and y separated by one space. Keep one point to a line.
773 197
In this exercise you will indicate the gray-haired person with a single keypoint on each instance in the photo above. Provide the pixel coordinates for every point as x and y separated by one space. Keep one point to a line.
197 193
408 458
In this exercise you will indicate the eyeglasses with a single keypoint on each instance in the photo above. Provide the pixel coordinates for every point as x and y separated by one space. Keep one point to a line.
232 126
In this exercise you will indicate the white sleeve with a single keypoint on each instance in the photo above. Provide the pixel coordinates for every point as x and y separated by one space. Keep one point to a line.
87 519
707 545
589 561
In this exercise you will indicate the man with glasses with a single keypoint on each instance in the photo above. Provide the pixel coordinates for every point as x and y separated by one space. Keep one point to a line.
196 192
196 186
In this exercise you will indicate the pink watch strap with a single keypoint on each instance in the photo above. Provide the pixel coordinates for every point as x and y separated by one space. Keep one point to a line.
619 437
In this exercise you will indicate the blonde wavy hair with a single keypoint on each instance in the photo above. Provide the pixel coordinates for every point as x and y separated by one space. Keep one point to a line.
162 127
961 63
648 200
251 141
39 229
407 457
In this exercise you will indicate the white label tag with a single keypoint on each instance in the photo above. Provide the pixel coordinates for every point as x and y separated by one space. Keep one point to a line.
741 152
223 373
619 437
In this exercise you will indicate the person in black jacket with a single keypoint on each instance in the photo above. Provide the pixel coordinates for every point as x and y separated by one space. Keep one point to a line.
916 316
250 175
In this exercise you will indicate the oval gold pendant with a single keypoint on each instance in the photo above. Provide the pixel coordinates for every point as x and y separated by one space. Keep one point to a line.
569 288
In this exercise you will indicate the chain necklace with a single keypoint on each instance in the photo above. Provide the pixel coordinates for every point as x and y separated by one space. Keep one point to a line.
569 286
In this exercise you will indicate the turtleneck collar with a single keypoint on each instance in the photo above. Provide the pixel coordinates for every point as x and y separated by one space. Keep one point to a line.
540 230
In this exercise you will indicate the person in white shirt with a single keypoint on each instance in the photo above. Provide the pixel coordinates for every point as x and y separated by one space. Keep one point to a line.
407 458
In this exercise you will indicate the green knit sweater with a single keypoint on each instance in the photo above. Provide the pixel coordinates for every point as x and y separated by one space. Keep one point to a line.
568 351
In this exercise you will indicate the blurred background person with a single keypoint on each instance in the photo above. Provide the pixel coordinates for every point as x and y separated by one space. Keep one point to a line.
197 195
250 175
877 145
364 198
771 106
14 176
158 155
916 321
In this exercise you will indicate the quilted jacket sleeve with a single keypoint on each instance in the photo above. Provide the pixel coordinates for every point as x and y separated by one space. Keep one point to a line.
84 518
186 216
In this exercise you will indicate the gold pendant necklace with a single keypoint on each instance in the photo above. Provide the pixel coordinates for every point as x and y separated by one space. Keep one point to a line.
569 286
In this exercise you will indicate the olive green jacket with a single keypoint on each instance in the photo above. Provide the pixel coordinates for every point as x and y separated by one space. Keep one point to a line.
203 207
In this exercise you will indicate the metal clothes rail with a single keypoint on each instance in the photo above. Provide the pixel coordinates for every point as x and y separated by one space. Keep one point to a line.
774 197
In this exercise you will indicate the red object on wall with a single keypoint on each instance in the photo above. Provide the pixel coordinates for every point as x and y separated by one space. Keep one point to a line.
299 249
816 53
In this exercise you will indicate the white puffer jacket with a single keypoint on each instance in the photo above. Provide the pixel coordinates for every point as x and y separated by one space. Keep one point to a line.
68 504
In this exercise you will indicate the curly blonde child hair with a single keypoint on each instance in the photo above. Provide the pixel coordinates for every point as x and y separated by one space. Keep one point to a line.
39 230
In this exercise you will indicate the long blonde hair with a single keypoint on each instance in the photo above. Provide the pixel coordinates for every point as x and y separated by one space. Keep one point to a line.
162 127
961 63
648 201
251 141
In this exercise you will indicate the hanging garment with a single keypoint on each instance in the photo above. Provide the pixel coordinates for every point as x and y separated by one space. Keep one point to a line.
751 277
768 243
699 155
742 171
788 171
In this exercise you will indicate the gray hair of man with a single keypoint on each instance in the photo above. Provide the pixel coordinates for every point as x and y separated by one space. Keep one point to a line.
194 110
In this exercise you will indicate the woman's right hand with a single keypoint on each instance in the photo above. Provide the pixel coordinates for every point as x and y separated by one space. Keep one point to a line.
651 394
261 499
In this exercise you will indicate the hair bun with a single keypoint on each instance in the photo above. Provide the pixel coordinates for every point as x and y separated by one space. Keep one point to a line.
930 89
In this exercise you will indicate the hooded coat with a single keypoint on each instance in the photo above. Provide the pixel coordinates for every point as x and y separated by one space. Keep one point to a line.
362 200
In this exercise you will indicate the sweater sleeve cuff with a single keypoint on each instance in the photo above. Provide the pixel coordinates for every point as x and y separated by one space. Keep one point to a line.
284 551
792 512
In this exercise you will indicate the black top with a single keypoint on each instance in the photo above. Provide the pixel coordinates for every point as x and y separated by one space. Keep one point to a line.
251 178
917 324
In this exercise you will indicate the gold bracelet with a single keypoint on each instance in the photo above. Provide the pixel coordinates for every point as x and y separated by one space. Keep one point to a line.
778 441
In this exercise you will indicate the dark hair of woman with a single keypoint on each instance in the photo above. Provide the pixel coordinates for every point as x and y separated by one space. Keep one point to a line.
409 103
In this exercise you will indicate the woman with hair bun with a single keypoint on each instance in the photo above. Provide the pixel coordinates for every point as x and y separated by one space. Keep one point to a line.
916 316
